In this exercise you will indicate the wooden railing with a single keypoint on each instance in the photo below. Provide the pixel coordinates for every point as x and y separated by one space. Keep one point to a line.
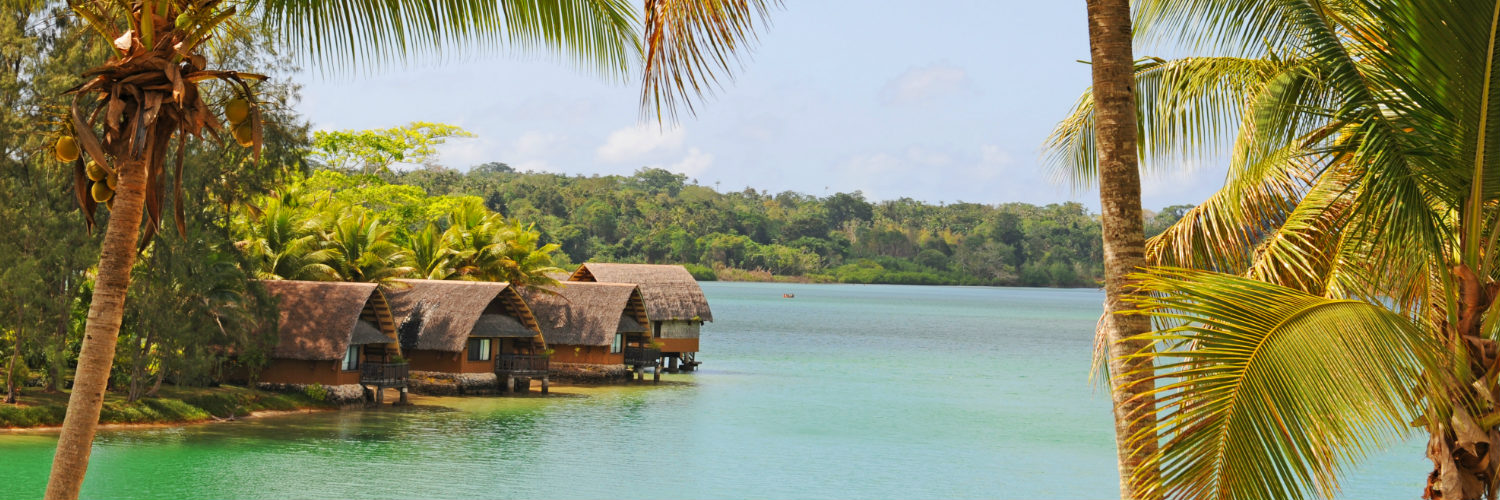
522 364
645 356
384 374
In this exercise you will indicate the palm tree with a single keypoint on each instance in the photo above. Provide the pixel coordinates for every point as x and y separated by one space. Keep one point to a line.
1345 275
488 247
146 94
429 254
1124 240
283 245
362 248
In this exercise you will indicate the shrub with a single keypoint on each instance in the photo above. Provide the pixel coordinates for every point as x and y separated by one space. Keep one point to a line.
701 272
317 392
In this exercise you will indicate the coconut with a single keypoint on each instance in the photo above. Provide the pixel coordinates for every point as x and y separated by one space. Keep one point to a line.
101 192
111 179
237 110
67 148
96 172
244 134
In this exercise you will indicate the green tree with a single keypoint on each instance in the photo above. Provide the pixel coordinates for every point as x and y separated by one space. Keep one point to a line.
363 249
487 247
430 256
374 151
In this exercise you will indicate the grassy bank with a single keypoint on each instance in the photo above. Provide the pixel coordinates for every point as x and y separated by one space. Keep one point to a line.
174 405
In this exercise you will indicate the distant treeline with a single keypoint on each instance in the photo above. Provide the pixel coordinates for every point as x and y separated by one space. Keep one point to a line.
656 216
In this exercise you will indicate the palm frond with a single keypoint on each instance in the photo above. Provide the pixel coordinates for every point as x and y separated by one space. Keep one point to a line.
1269 392
1188 109
690 44
600 35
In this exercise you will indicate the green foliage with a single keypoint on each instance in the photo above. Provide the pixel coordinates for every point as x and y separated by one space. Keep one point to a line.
701 272
374 151
150 410
656 216
316 392
32 416
333 226
1243 388
175 406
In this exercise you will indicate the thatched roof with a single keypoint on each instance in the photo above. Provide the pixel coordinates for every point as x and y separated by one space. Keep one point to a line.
318 318
500 325
366 332
451 309
586 313
671 293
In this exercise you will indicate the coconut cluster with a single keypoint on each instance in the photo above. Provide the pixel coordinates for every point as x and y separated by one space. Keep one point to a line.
101 184
237 111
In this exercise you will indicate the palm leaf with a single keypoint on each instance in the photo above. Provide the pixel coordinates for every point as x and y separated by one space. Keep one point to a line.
689 44
1269 392
342 34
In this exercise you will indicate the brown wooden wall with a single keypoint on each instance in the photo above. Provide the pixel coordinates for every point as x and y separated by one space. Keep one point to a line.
587 354
455 362
677 345
296 371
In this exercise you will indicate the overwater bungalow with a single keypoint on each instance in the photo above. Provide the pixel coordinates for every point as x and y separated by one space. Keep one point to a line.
335 334
596 330
675 305
477 333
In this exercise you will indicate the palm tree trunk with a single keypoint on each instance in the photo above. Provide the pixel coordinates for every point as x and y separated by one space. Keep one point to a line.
11 394
1462 450
1124 240
116 258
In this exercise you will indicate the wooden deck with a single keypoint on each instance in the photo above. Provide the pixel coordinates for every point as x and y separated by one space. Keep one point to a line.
515 371
383 375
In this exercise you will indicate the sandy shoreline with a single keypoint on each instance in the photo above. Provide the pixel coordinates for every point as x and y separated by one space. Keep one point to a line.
568 389
147 425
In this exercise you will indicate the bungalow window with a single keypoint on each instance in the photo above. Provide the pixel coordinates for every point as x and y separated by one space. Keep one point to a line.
351 358
656 329
479 349
619 343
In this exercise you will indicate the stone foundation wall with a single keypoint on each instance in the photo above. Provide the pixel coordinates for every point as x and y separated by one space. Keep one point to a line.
582 373
450 384
346 394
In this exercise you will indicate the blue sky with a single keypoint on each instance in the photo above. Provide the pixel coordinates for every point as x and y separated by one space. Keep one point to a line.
937 100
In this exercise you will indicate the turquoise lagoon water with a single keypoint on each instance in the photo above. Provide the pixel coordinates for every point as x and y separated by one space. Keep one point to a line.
846 391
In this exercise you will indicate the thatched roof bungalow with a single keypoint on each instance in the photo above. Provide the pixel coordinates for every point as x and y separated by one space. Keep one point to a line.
590 323
326 331
464 326
674 302
670 292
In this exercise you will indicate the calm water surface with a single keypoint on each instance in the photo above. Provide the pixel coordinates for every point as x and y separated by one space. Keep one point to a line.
844 392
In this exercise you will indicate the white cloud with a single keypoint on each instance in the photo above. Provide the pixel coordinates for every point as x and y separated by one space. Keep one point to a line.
986 173
535 143
693 164
992 162
463 153
926 84
639 142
